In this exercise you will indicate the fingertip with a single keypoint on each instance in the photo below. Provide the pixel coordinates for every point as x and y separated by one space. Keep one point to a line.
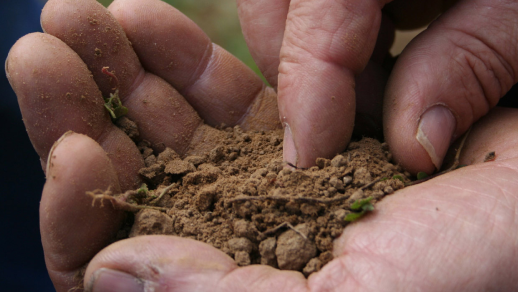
48 162
160 261
72 230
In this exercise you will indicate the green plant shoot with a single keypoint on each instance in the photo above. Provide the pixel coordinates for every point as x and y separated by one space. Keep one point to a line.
114 104
422 175
362 205
143 189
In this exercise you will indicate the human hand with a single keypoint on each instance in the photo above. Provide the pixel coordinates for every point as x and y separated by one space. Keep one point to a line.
456 232
175 262
58 78
444 81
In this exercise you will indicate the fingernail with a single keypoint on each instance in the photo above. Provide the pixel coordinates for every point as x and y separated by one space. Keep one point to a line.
435 131
6 64
107 280
51 152
7 74
289 152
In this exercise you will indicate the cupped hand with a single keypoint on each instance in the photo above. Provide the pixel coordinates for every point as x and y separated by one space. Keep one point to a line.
174 81
320 54
456 232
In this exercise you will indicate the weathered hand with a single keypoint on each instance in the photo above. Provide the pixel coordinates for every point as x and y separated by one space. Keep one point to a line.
456 232
444 81
171 78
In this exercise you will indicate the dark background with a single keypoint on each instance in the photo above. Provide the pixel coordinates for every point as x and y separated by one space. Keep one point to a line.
22 267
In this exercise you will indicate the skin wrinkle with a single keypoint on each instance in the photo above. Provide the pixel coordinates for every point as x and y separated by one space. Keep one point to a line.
468 93
374 262
430 256
294 57
411 223
332 47
489 210
257 98
507 67
339 270
492 185
137 82
206 60
252 286
484 88
225 276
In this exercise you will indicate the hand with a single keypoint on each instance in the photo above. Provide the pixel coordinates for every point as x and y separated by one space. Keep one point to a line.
170 76
456 232
396 247
444 81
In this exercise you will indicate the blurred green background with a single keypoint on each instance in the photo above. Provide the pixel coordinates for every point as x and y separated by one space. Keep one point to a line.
219 20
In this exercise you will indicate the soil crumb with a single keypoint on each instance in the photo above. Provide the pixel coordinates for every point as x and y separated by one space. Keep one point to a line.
241 198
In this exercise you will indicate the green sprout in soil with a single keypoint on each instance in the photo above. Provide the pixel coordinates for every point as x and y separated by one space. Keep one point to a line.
397 176
363 206
113 104
143 189
422 175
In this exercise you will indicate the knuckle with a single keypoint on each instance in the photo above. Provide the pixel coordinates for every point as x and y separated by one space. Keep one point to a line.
490 66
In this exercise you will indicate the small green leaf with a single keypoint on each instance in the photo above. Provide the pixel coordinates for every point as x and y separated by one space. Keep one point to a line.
368 207
120 111
357 205
354 216
397 176
114 106
384 179
364 205
422 175
143 189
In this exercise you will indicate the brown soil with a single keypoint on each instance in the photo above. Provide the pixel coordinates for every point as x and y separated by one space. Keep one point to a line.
242 199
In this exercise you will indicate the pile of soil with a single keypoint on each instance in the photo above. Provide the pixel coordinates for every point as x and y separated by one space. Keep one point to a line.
243 199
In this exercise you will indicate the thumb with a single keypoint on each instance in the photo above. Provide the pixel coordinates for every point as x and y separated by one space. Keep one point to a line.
449 77
169 263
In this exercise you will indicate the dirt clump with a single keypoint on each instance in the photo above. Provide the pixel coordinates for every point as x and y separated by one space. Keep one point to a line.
244 200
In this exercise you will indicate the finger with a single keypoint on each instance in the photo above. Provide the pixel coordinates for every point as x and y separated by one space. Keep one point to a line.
56 94
221 88
263 23
494 127
72 230
448 78
163 116
434 235
326 44
167 263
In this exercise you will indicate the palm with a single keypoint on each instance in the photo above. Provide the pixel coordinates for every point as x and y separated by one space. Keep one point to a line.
448 234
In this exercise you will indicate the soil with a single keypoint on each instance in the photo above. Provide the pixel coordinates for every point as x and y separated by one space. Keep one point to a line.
241 198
